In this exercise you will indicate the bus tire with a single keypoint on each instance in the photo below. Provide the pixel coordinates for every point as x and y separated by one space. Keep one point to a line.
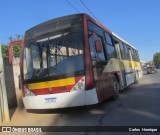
19 82
116 87
136 77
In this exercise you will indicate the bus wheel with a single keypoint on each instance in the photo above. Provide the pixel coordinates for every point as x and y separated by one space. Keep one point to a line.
115 88
136 77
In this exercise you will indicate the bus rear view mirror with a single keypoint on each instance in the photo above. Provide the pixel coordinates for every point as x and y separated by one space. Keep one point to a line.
98 46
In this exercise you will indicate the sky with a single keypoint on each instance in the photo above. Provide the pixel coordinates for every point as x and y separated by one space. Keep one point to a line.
136 21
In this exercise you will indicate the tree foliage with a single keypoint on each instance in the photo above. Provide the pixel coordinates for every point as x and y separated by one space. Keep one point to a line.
4 51
15 48
156 58
17 37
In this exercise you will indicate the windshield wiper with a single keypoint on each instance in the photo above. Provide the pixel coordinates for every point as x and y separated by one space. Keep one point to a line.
37 72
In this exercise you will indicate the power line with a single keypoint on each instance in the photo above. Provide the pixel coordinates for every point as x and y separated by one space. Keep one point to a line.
72 6
89 10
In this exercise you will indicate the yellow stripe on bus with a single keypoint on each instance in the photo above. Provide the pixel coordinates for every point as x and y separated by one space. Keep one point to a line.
116 65
49 84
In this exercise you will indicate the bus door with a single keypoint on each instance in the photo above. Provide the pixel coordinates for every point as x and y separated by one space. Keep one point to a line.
102 79
121 64
131 65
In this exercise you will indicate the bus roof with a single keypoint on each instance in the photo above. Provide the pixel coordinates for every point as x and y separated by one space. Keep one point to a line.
123 40
49 26
54 20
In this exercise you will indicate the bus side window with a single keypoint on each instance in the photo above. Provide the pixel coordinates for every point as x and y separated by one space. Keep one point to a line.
95 56
122 50
97 59
100 55
110 47
136 56
126 52
132 53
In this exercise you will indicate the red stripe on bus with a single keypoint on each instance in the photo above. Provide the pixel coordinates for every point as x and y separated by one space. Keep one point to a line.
54 90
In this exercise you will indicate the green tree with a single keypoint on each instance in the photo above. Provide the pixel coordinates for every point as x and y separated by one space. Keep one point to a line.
16 48
4 51
156 58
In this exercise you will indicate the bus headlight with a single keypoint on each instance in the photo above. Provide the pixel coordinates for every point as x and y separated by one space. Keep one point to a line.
80 85
28 92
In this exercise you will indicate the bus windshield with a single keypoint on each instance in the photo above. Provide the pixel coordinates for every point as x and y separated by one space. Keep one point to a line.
58 54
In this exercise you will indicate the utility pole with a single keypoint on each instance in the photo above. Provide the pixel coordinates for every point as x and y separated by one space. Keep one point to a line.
4 109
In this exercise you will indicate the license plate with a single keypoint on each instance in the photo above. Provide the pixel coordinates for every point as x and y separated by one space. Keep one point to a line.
51 100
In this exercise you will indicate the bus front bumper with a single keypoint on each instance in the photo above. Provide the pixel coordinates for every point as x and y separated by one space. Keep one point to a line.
61 100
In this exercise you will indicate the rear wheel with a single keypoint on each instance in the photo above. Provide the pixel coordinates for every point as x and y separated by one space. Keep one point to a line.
115 88
136 77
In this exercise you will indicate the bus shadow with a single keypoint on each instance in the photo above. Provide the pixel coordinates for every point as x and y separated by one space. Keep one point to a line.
64 110
127 89
79 115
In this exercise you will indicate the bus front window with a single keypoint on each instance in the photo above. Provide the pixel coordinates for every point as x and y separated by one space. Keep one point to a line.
54 55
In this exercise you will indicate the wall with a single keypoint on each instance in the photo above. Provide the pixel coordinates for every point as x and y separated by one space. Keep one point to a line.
10 85
16 72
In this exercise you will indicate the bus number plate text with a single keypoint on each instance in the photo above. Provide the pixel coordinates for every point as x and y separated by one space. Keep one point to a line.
51 100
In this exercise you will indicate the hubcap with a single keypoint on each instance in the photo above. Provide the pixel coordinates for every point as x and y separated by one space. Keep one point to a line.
116 87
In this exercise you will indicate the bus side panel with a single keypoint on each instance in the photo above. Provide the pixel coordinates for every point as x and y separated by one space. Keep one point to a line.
104 86
139 70
91 97
104 83
129 74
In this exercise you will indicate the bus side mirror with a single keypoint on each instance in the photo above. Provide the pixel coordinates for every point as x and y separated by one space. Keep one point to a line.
98 46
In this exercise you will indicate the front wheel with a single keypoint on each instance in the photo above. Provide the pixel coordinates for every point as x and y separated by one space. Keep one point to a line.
115 88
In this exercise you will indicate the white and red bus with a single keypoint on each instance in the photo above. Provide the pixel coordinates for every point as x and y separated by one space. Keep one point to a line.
74 61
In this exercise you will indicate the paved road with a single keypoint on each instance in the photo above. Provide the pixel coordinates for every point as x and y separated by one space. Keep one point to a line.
137 105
